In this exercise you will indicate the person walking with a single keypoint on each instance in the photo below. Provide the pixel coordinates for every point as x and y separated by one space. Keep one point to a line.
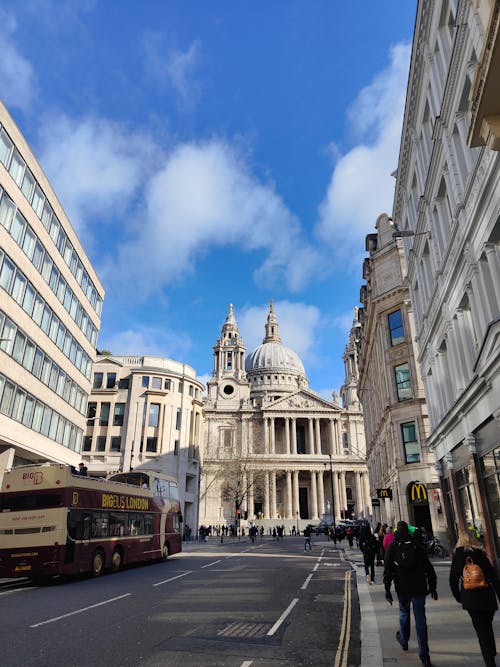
388 538
479 601
307 538
369 545
407 564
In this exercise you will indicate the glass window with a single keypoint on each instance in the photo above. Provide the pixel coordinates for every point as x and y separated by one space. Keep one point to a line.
151 444
154 412
54 328
396 328
54 422
19 343
156 383
181 387
116 443
100 443
28 184
87 443
18 287
98 378
5 148
104 416
45 370
403 386
38 201
38 256
54 228
110 380
29 355
123 383
29 298
61 289
46 215
29 242
119 412
17 228
410 442
6 274
91 410
46 319
54 374
47 414
7 210
28 411
60 336
178 419
38 309
8 335
38 362
54 279
17 167
145 380
7 397
168 384
46 267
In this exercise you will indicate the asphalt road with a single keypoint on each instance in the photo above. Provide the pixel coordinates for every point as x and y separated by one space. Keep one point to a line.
237 605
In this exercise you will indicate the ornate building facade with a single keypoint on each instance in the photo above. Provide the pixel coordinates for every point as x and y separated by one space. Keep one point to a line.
292 450
447 208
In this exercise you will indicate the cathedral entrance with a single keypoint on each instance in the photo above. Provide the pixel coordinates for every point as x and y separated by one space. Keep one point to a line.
303 506
301 439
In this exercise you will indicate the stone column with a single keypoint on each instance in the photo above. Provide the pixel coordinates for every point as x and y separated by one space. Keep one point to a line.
336 489
295 493
343 490
359 498
266 436
289 505
321 494
482 504
273 436
491 253
338 444
317 429
251 505
332 437
294 435
287 435
245 498
310 437
274 509
366 484
267 511
314 497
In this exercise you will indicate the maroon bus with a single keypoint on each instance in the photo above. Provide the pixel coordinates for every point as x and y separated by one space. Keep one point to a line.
54 522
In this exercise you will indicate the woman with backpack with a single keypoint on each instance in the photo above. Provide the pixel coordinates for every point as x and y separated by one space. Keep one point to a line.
475 585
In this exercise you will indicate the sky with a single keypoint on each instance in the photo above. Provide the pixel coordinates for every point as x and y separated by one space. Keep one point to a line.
216 152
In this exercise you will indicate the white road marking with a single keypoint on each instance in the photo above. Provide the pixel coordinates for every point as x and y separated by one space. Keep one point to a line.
283 616
315 567
15 590
210 564
306 582
247 663
172 578
79 611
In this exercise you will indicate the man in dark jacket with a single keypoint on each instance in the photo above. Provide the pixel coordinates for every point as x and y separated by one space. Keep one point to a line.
407 564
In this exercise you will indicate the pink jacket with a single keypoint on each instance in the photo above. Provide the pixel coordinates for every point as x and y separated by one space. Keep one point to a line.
388 538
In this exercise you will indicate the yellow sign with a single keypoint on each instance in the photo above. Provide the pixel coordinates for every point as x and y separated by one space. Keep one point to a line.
418 492
384 493
74 500
116 502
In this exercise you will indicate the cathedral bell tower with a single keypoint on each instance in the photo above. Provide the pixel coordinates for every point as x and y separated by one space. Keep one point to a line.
229 381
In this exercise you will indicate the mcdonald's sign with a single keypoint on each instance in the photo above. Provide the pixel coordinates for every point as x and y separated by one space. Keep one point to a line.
417 493
384 493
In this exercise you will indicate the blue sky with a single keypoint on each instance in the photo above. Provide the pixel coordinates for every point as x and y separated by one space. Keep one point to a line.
216 152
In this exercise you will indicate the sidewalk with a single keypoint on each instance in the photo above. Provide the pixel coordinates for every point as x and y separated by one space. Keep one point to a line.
452 640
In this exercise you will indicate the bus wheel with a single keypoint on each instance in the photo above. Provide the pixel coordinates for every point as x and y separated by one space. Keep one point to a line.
116 561
98 563
164 551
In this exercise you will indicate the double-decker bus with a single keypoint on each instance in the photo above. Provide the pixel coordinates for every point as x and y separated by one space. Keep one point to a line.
55 522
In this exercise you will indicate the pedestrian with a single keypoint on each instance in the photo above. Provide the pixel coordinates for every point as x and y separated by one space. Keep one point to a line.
480 602
307 538
83 471
407 564
368 544
350 537
388 538
380 538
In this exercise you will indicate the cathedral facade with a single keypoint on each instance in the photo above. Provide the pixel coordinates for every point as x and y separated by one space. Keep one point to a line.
275 452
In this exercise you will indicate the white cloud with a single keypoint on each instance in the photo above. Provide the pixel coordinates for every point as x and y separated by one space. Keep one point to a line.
17 79
361 185
299 324
94 165
152 341
175 67
204 196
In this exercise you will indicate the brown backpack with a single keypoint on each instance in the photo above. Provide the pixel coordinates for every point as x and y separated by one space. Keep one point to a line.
473 576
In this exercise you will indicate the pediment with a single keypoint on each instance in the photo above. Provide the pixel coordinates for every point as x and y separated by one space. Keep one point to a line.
302 401
487 361
108 361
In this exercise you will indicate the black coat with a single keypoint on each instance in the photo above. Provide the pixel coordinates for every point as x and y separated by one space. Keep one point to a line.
479 599
419 580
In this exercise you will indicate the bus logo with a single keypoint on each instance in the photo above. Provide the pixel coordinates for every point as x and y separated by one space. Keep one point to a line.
74 500
33 477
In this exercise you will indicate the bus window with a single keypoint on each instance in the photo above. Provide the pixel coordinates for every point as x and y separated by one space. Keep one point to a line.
148 524
118 525
87 526
135 524
29 501
75 525
160 489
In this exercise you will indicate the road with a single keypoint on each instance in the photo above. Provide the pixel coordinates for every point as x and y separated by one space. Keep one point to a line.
236 605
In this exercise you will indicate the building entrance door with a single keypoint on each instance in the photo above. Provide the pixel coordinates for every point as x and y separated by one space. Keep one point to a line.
303 506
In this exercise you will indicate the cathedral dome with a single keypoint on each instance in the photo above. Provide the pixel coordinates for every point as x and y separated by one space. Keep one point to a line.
272 365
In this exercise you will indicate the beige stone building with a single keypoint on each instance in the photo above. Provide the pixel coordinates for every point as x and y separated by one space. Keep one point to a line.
401 466
447 205
284 447
50 310
146 412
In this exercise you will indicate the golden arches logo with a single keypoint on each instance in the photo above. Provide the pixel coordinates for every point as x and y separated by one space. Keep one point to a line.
418 492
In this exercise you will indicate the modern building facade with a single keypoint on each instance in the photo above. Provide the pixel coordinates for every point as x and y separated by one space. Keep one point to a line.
401 466
288 450
146 412
50 310
447 204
